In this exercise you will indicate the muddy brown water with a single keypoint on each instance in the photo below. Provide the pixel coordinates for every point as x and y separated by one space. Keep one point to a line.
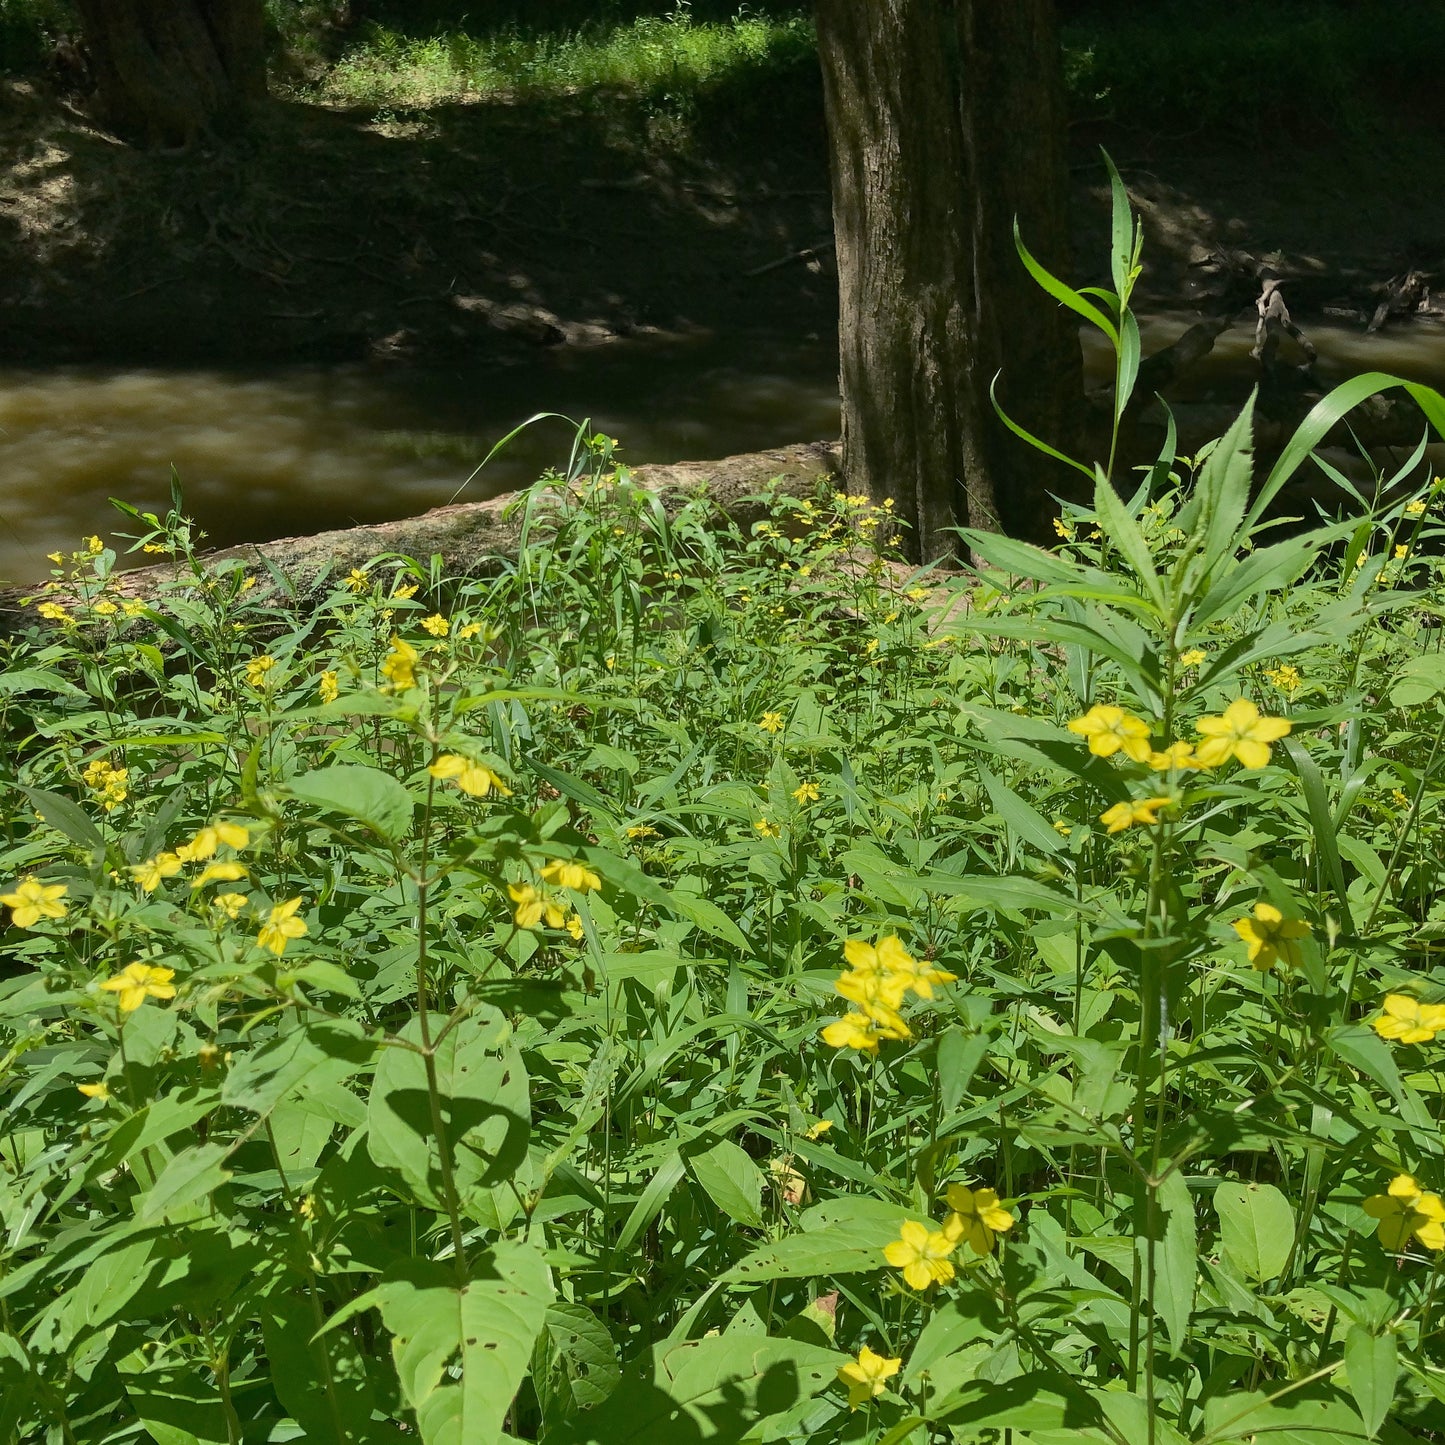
289 451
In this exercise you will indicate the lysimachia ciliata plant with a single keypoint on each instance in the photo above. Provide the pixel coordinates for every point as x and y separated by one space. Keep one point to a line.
703 984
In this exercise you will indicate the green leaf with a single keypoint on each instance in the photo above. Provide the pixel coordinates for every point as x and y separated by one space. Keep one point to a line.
843 1236
1065 295
485 1108
261 1078
1123 531
1175 1259
731 1179
173 1402
323 1379
461 1351
1256 1228
576 1363
714 1389
64 815
1023 821
366 794
1419 679
1372 1366
959 1055
188 1178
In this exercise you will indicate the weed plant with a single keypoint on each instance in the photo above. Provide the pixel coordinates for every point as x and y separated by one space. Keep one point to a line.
705 984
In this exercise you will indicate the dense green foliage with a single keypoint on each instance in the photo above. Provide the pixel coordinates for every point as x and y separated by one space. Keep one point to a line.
423 1007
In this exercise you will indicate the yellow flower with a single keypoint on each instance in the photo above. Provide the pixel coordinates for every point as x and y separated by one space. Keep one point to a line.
328 685
1111 730
1137 810
641 830
1063 829
1193 657
894 962
1401 552
95 1091
1176 755
806 793
154 548
436 624
533 905
220 873
469 630
59 557
281 926
404 590
768 829
357 580
54 611
474 779
257 669
132 609
1241 733
150 873
137 982
867 1376
853 1031
574 926
33 900
816 1131
1405 1210
1416 508
1286 677
398 665
1063 529
106 608
1409 1021
771 722
879 995
922 1254
247 582
571 875
1270 935
977 1217
209 838
230 903
1399 797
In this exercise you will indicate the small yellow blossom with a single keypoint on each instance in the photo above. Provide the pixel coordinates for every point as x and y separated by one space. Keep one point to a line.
468 630
1111 730
977 1217
150 873
816 1131
257 669
1176 755
533 906
1136 810
767 828
1193 657
403 590
1405 1210
1063 829
106 608
436 624
473 778
576 876
132 609
922 1254
398 666
1270 935
99 1091
639 831
1242 733
891 960
281 926
33 900
94 546
855 1031
806 793
328 686
227 872
1408 1021
53 611
867 1376
209 838
357 580
1416 508
230 903
1286 677
57 557
1063 529
574 926
1401 552
137 982
771 722
154 548
1399 798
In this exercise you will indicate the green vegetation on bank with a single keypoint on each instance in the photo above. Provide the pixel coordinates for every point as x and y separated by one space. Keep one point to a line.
697 982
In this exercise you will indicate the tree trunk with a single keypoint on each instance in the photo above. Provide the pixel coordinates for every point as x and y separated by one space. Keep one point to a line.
167 70
946 121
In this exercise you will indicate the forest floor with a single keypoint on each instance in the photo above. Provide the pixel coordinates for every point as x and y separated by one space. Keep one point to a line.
492 228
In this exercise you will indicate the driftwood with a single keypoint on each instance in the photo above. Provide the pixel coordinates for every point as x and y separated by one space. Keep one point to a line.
1273 323
471 537
1404 296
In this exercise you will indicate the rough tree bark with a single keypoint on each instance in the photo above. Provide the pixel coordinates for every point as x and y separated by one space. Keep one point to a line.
167 70
946 120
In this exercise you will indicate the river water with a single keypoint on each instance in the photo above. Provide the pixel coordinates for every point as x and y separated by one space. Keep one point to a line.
288 451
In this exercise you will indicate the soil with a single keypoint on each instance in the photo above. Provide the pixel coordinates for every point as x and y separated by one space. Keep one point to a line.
493 229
